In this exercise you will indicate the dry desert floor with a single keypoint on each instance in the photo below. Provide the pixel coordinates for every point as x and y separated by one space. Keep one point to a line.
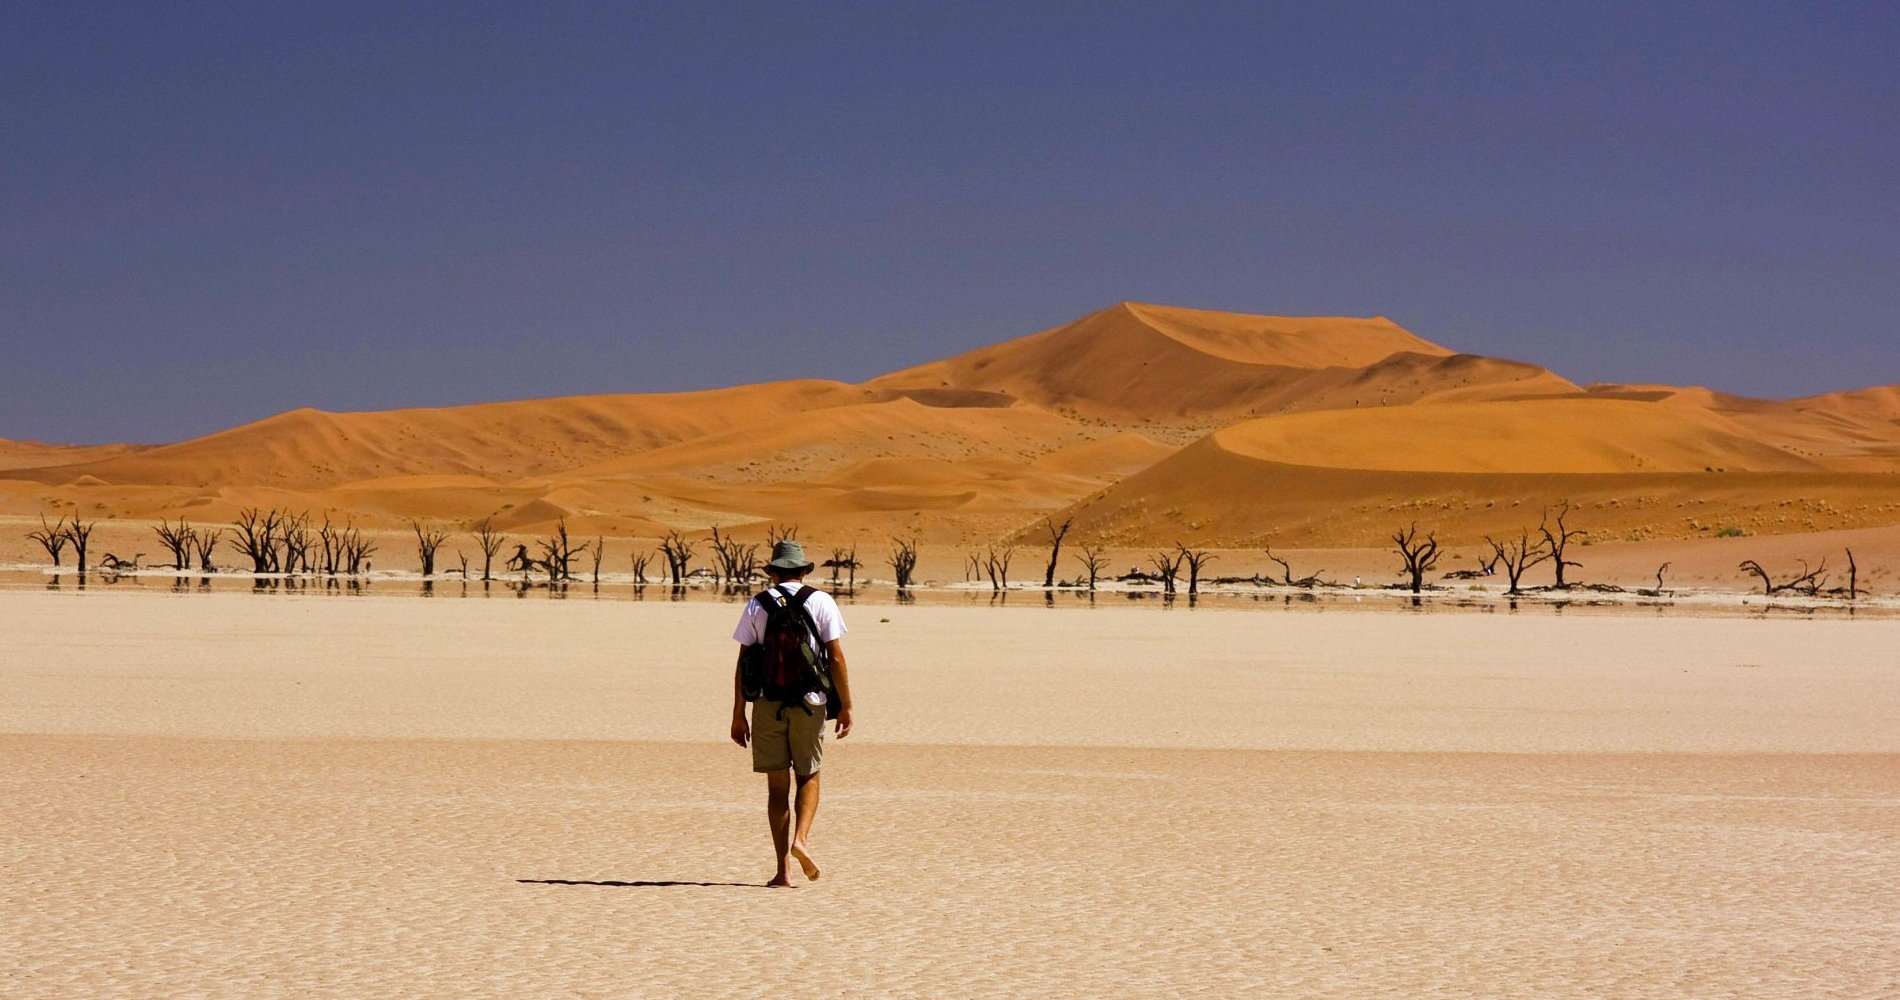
229 795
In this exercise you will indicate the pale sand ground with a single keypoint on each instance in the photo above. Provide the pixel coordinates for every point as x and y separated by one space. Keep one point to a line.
236 796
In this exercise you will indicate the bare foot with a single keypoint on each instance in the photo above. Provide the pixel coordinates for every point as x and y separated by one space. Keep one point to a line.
780 881
805 861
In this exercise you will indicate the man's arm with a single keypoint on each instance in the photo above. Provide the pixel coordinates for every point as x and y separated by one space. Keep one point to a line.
841 683
741 732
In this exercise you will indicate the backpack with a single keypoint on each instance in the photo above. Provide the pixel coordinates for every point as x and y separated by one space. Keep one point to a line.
783 666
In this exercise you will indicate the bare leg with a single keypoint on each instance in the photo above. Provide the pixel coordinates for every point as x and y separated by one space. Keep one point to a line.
778 812
807 810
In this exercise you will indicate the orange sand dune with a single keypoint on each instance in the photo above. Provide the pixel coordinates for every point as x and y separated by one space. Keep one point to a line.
1149 423
32 454
498 441
1208 494
1146 363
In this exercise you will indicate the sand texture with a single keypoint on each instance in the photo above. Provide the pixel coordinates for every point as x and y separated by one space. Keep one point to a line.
244 796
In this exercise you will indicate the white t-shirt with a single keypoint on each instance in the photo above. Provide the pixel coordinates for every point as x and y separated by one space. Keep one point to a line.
824 617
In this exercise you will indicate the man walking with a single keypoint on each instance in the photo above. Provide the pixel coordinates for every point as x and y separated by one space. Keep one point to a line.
787 731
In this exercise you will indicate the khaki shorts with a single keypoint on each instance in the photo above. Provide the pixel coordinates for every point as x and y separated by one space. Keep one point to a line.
787 736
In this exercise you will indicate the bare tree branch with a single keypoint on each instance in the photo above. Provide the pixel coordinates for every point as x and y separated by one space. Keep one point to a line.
1420 554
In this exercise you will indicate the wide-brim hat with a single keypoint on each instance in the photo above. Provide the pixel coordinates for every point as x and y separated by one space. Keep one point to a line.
788 555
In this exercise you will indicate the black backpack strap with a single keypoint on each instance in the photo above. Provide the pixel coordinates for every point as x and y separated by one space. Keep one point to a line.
811 624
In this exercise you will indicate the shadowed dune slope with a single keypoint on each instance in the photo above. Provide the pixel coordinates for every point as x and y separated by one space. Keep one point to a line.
1532 435
816 444
1143 363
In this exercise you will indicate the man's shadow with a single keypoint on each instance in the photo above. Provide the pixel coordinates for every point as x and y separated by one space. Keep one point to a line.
641 884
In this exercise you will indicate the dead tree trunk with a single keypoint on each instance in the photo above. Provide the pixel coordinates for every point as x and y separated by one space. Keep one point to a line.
1167 565
490 544
1420 554
903 560
296 540
1558 542
640 560
359 549
1195 559
256 533
51 537
328 540
1807 583
678 552
1853 577
427 541
600 552
1056 534
1092 561
79 534
177 541
207 542
997 565
1517 557
558 552
1286 571
775 534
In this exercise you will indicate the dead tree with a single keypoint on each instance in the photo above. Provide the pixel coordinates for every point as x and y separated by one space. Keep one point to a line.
462 557
599 552
845 559
1489 566
1853 577
356 551
996 564
775 534
256 534
329 541
51 537
1659 591
678 552
1808 583
1286 572
1559 541
1091 559
177 541
1517 557
973 566
79 535
839 559
641 558
1420 554
295 539
1056 535
207 542
903 560
1195 559
557 552
737 561
427 541
521 561
113 564
490 543
1167 566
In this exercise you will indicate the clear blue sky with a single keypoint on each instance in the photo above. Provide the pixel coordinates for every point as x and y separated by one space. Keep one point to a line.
213 212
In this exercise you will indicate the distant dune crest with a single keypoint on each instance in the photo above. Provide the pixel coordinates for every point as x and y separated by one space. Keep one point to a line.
1146 423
